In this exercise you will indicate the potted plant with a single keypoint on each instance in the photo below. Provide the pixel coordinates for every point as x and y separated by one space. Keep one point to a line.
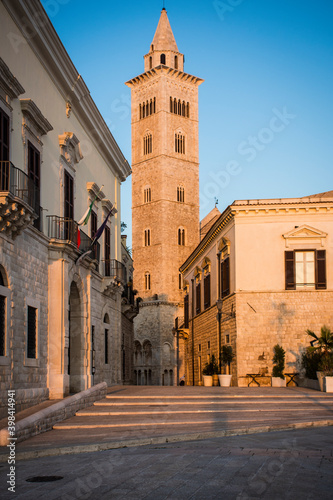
226 358
324 345
209 370
278 379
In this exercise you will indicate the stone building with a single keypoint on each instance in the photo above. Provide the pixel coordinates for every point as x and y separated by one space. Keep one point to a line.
271 263
165 198
60 317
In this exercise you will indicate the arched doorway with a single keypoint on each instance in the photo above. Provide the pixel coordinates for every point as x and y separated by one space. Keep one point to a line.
75 344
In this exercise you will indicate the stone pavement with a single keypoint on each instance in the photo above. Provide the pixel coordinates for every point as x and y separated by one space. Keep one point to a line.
291 465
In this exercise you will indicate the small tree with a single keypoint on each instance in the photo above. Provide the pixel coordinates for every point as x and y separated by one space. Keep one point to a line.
322 346
227 356
211 368
278 360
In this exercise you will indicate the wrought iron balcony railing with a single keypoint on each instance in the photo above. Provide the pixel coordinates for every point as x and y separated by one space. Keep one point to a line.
114 269
65 229
18 183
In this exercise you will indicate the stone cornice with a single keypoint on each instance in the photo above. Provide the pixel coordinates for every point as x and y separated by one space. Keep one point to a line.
31 111
225 218
44 41
95 190
252 208
8 82
107 205
154 72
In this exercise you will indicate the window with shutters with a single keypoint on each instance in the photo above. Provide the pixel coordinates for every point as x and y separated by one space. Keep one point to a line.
4 313
34 175
186 311
4 138
68 205
107 250
207 291
32 332
225 277
198 298
305 269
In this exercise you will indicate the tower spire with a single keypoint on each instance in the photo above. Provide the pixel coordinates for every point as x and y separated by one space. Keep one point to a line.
164 38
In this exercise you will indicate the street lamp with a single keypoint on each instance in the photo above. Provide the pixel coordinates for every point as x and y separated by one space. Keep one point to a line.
219 303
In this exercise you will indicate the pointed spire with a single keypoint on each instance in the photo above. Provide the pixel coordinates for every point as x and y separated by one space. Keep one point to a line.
164 39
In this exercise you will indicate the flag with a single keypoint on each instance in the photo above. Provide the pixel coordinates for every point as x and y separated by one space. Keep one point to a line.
100 230
85 217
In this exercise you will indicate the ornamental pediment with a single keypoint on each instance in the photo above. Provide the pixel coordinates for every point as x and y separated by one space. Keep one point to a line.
303 235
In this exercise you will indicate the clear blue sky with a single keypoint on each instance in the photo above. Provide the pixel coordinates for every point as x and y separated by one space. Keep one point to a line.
260 59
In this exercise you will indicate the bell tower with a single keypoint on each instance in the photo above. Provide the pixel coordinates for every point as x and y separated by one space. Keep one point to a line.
165 199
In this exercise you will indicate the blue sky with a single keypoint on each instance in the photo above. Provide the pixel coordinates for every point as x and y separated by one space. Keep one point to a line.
265 108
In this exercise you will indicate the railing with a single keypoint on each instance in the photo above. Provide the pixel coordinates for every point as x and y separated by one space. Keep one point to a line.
65 229
128 294
114 269
18 183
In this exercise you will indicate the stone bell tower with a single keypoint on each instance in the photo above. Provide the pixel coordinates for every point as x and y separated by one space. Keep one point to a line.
165 199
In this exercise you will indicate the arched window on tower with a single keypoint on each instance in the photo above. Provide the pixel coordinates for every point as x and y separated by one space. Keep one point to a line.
183 109
143 110
148 144
154 105
147 281
180 194
147 238
175 106
171 105
179 107
140 111
147 195
151 107
181 237
176 62
150 62
180 143
162 58
188 110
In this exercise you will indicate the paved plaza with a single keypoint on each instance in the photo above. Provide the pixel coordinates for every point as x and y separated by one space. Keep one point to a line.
293 465
183 443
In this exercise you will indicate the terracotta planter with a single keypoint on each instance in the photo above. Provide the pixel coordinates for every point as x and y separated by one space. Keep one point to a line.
207 380
328 384
225 380
278 382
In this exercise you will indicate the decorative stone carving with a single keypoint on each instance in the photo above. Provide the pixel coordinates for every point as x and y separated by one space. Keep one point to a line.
94 190
15 215
304 235
33 118
8 82
112 287
70 148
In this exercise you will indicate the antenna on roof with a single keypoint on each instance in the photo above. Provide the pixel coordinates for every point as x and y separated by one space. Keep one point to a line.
216 202
163 4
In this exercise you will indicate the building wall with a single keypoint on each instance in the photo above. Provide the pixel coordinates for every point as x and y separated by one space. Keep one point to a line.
73 298
259 312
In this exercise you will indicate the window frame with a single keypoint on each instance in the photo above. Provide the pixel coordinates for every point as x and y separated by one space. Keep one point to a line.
320 272
5 293
34 304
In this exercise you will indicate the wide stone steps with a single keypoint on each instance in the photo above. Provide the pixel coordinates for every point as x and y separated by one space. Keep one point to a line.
140 415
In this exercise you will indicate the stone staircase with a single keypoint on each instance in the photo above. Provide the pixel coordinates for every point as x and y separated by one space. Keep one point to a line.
131 416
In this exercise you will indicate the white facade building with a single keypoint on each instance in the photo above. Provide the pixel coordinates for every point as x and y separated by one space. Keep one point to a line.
60 319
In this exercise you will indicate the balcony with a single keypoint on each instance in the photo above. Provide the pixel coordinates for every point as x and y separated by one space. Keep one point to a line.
181 328
114 276
67 230
19 200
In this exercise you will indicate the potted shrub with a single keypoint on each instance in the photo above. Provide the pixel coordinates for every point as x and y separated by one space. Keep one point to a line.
326 367
209 370
323 345
226 358
278 379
